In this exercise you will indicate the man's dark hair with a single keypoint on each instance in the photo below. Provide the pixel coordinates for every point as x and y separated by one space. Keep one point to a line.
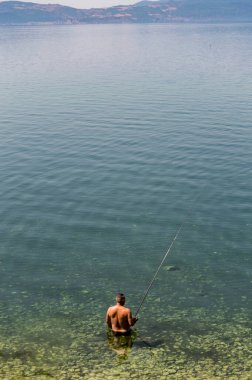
120 297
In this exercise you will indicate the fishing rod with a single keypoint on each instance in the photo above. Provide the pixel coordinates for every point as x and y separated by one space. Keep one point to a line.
158 269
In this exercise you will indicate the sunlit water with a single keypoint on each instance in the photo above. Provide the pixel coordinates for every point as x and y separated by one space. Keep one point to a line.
111 137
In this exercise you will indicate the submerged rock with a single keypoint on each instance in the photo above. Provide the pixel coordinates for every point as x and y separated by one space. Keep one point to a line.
171 268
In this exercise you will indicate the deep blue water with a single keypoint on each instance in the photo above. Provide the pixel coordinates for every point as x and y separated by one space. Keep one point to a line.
110 138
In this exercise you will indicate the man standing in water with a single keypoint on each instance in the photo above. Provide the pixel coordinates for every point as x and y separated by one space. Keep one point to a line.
119 318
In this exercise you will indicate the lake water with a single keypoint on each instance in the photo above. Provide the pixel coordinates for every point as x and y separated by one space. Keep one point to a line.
111 137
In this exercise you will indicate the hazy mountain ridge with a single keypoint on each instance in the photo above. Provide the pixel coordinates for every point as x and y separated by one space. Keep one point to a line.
163 11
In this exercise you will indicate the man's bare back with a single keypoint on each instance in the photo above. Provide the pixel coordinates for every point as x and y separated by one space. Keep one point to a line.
119 318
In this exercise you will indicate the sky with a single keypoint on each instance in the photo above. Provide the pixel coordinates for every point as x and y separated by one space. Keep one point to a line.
86 3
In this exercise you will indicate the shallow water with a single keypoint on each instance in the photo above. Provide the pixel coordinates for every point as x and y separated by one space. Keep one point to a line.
111 137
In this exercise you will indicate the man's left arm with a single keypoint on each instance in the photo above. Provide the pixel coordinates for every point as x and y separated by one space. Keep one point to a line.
131 320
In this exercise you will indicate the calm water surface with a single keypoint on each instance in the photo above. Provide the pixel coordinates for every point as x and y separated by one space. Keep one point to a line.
110 138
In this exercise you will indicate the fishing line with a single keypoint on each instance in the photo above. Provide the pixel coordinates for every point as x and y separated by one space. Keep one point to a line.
158 269
166 254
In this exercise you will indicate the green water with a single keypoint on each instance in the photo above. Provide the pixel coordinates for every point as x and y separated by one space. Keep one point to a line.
110 138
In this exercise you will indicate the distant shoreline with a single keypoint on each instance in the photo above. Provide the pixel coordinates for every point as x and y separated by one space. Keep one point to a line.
136 23
144 12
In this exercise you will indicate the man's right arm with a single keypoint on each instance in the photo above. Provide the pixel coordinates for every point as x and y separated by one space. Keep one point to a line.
108 320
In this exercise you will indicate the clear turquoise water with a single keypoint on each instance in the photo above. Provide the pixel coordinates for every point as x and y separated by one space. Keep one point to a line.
110 138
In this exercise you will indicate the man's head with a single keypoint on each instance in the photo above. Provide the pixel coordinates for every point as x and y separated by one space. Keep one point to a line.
120 298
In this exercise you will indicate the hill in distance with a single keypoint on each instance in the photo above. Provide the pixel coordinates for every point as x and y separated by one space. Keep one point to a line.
162 11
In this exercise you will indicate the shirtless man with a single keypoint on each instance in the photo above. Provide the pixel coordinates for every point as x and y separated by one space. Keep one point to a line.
119 318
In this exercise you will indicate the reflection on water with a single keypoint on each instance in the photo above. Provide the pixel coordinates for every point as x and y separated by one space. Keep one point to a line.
121 344
111 137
